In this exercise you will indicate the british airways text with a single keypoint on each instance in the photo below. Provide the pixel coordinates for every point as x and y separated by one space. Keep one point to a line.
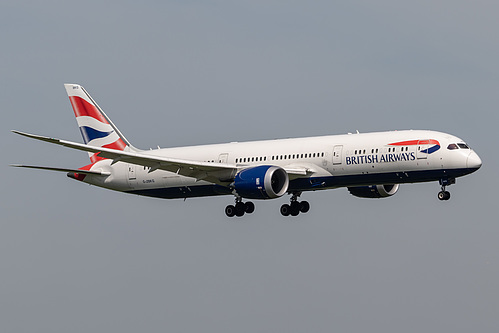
384 158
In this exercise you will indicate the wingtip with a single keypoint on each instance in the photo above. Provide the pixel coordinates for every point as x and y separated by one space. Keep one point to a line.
19 132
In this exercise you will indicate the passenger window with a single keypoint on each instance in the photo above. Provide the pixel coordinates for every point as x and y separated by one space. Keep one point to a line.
452 146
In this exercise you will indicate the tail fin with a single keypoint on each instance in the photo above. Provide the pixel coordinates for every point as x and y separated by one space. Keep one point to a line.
95 126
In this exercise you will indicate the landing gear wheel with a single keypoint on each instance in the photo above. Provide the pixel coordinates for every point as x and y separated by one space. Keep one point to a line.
249 207
230 210
285 210
443 195
295 208
304 206
240 208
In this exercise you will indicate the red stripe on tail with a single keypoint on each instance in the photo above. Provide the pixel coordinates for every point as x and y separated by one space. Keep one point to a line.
117 145
82 108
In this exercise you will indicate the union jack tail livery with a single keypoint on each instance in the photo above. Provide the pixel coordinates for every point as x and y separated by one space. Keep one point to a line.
95 126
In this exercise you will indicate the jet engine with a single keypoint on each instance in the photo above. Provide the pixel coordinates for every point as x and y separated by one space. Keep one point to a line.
261 182
374 191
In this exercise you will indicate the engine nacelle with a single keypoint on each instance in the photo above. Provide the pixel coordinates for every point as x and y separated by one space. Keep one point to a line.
261 182
374 191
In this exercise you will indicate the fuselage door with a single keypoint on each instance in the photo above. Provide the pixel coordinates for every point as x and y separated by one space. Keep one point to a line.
337 154
423 146
132 176
223 158
131 172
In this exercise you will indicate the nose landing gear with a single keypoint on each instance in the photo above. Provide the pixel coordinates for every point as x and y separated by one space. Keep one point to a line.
239 208
443 194
295 207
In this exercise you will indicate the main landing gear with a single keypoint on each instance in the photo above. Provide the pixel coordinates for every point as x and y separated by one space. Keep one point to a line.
295 207
443 194
239 208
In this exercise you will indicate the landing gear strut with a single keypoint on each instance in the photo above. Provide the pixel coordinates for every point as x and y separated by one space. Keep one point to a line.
295 207
239 208
443 194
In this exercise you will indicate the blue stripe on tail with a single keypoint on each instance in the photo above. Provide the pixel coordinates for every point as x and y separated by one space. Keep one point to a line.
90 134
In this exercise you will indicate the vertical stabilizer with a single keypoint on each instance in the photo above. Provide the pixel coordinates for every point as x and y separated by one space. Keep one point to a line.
95 126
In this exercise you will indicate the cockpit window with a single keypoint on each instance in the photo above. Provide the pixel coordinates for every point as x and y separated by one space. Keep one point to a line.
453 146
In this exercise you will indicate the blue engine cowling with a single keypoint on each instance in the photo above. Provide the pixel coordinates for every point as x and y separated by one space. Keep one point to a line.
261 182
374 191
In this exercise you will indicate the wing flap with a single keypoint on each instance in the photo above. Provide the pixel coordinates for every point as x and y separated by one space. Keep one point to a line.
297 171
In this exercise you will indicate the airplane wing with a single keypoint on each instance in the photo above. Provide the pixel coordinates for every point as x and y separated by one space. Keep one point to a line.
82 172
212 172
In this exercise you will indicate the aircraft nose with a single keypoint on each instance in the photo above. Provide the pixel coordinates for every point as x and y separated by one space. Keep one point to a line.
473 161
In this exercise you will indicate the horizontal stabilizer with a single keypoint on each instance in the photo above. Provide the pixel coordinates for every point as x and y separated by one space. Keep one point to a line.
81 172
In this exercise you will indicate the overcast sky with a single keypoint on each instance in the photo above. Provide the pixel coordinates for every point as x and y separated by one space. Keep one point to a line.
76 258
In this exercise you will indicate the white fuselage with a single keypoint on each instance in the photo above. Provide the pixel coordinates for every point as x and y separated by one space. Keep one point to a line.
331 161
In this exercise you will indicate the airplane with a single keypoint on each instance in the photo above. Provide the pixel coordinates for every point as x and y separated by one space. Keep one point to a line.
369 165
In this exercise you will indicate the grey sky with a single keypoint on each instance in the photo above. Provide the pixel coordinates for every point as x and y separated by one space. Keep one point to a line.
170 73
